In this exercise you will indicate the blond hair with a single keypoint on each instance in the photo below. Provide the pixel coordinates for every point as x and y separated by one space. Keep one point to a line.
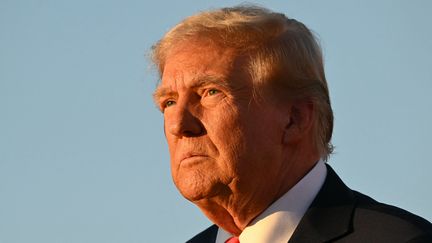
280 50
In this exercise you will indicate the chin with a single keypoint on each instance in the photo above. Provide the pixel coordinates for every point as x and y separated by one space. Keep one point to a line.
195 190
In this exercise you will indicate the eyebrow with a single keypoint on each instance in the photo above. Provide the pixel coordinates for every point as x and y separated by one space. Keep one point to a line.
197 82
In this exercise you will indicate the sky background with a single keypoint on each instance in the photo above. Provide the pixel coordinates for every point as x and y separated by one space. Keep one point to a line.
82 151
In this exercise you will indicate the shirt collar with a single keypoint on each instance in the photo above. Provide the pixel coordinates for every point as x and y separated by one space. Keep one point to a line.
278 222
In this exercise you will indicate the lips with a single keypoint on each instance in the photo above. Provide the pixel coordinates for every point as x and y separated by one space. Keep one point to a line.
192 159
191 152
192 155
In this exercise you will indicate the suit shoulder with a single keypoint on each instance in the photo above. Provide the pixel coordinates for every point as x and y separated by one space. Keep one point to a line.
206 236
385 219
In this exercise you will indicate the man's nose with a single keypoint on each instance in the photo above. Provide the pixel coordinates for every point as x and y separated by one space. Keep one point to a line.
183 123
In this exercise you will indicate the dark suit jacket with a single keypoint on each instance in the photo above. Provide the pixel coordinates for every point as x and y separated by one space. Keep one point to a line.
339 214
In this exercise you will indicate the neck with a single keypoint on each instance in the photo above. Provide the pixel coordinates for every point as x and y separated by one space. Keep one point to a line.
233 213
223 216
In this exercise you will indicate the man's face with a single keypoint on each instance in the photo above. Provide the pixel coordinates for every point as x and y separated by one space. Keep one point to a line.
221 141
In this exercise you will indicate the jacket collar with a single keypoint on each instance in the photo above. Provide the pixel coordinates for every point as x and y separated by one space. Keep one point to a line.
330 214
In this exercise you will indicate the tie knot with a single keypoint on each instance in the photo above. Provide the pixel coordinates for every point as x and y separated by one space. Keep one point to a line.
233 240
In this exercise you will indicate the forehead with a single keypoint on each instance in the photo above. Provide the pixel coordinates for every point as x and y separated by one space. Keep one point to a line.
195 61
199 57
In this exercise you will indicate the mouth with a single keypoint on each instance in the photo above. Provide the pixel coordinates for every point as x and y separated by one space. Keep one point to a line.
192 159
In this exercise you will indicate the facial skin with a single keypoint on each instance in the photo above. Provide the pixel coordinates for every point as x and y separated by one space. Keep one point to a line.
230 154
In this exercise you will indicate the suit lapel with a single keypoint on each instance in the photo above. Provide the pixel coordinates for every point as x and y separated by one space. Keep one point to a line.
207 236
330 214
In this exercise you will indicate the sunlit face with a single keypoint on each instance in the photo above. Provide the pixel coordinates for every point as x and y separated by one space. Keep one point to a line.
221 141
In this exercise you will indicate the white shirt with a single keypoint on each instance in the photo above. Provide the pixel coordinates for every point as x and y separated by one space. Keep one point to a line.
278 222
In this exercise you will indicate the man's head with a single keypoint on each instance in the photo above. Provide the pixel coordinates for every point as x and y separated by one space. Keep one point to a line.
246 109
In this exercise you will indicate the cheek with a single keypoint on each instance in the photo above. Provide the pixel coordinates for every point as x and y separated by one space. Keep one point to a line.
234 147
224 129
260 138
225 135
172 142
171 145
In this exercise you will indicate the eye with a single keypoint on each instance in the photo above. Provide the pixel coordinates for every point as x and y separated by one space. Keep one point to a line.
213 91
168 103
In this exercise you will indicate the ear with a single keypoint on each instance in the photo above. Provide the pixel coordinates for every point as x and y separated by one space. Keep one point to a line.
300 121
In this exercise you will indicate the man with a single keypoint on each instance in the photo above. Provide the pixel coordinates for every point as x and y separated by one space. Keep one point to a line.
248 123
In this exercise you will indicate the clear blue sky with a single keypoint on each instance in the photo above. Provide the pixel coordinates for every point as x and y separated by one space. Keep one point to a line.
82 152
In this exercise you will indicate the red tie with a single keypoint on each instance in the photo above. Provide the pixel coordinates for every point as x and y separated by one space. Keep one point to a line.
233 240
